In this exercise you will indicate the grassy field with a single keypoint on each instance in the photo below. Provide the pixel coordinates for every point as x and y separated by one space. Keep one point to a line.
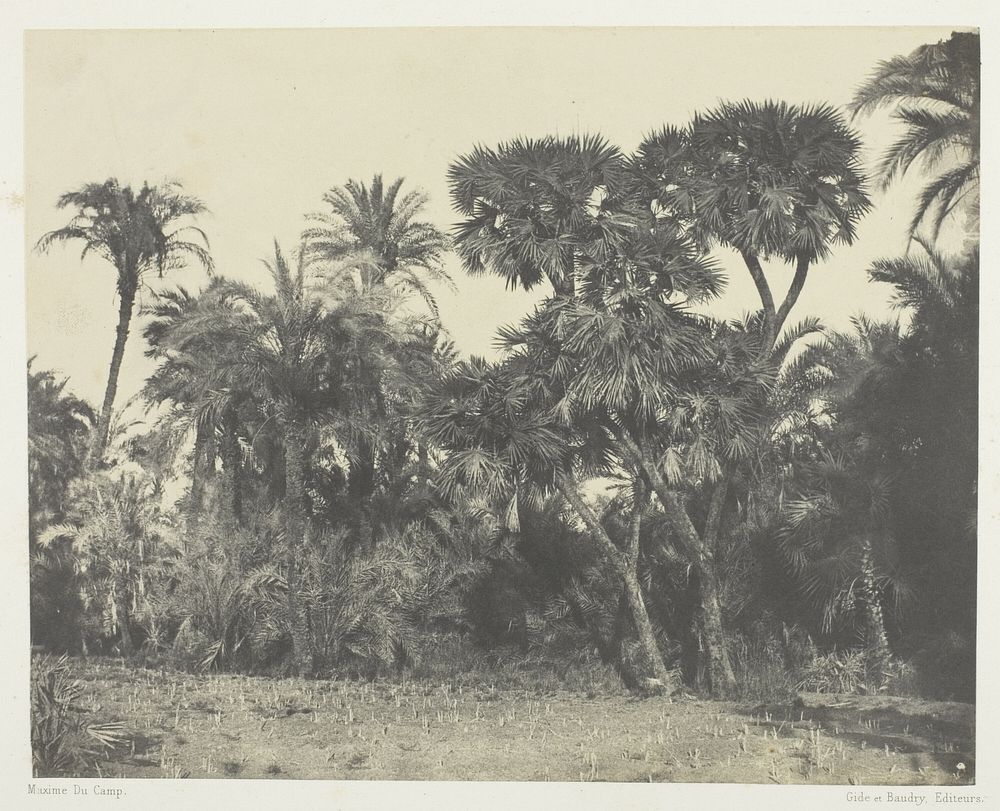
219 726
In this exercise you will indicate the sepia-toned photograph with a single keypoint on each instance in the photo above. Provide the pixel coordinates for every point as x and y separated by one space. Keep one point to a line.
503 404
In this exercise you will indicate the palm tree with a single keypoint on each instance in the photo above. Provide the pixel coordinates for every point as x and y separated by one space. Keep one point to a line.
837 534
504 445
403 254
137 233
934 91
59 429
586 387
375 221
185 380
572 212
534 209
113 537
770 180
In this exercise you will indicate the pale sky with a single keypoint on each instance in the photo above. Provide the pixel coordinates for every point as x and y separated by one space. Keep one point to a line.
260 123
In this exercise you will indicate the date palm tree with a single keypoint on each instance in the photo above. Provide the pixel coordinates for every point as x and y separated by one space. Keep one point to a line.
404 255
837 533
934 92
375 220
185 381
114 536
138 233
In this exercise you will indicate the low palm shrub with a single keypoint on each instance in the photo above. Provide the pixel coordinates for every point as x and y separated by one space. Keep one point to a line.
62 739
837 672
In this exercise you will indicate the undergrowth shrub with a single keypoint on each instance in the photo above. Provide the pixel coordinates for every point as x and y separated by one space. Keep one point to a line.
837 672
858 671
62 739
767 663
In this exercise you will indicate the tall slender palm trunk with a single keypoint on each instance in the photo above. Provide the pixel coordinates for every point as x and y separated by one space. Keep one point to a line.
295 527
107 408
196 496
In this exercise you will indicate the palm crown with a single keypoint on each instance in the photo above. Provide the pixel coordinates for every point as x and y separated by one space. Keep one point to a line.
936 90
137 232
378 222
534 209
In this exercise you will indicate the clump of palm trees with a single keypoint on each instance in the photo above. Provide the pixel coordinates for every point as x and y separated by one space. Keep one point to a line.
630 474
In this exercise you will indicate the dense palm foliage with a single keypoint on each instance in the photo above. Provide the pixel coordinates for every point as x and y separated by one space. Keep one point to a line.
137 233
768 180
59 427
327 486
934 92
534 209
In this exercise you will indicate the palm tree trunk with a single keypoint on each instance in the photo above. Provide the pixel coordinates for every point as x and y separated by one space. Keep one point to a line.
423 463
701 557
876 639
766 299
626 568
121 336
198 470
361 485
718 667
121 609
232 462
616 646
295 527
794 290
644 630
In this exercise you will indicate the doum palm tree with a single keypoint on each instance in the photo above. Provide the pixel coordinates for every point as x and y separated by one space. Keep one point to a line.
138 233
769 180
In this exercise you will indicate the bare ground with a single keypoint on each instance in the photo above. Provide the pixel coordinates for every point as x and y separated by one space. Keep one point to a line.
221 726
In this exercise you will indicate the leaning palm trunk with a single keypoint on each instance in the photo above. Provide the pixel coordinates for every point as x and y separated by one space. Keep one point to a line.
701 555
295 527
653 659
107 408
626 567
